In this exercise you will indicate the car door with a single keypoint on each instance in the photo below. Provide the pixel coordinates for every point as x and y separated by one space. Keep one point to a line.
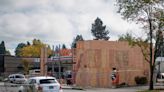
32 85
17 78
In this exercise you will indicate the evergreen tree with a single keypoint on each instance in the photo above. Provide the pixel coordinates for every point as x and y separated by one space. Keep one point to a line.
78 38
2 48
28 43
63 46
99 31
18 49
56 49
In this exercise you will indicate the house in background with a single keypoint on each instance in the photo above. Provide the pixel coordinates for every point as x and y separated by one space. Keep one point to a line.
96 58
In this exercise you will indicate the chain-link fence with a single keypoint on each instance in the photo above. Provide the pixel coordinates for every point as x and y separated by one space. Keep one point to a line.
7 86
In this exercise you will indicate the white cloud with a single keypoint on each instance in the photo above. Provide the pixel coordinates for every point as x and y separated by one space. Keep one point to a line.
56 21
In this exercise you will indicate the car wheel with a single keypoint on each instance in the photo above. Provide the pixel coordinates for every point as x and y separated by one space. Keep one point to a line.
11 81
19 91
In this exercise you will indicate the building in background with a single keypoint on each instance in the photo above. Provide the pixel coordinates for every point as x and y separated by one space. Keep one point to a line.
9 65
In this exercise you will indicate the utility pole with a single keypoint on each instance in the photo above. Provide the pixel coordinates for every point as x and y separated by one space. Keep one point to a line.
59 67
53 61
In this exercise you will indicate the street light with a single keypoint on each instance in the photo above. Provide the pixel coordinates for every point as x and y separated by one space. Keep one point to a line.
59 67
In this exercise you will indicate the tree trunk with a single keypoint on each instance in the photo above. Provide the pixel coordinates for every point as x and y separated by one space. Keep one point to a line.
151 55
151 84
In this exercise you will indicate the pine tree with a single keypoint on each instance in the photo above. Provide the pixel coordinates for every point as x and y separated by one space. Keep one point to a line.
99 31
2 48
78 38
64 46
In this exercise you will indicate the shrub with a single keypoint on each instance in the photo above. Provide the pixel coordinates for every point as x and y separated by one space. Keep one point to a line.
140 80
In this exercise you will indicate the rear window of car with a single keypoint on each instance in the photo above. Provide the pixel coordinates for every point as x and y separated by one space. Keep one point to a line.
19 76
47 81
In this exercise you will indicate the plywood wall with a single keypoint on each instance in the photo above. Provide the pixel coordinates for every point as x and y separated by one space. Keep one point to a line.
95 60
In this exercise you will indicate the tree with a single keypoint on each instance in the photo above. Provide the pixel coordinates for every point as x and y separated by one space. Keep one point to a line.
28 43
34 50
77 38
64 46
18 49
99 31
127 37
8 52
133 41
160 20
145 12
37 42
2 48
57 49
26 66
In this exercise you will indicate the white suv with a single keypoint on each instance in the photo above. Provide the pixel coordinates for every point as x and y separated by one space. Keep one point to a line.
41 84
17 78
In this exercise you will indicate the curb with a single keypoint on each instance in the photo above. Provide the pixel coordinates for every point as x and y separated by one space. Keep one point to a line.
78 88
74 88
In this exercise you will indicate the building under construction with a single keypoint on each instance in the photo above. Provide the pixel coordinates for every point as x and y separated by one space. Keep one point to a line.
96 58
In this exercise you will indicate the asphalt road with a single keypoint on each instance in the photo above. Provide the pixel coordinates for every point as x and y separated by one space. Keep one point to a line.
128 89
124 89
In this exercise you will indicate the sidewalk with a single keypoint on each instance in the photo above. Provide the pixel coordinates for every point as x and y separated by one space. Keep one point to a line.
121 89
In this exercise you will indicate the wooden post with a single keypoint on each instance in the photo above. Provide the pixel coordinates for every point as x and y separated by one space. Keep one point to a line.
43 61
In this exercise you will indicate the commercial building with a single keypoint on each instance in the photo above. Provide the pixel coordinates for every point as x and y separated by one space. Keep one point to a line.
12 64
9 64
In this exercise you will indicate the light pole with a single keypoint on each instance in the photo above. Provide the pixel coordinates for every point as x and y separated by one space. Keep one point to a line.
53 62
59 67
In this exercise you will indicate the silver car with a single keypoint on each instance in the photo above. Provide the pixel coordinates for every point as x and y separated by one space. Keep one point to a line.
41 84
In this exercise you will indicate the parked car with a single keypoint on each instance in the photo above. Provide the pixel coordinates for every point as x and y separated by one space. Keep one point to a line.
17 78
41 84
160 78
34 72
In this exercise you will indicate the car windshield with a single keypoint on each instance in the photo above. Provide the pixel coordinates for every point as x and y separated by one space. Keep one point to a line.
47 81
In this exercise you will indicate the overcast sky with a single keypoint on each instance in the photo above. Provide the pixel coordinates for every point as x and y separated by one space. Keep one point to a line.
57 21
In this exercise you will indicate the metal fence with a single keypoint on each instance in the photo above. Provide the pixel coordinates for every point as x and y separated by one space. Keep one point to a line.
10 87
